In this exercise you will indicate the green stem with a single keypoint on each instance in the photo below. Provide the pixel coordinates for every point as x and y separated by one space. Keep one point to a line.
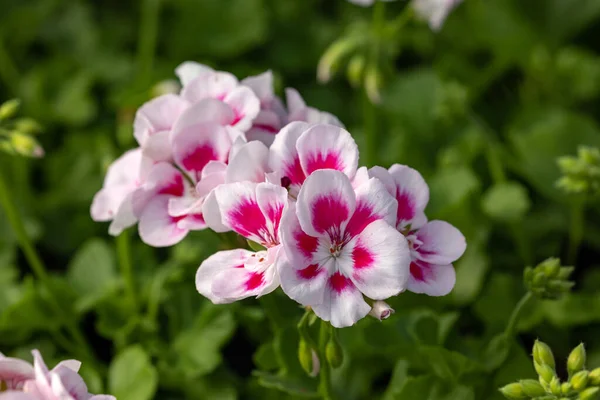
124 255
516 314
36 264
8 70
403 18
147 38
576 229
325 372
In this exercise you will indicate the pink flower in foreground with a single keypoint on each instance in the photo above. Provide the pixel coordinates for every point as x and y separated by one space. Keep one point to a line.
339 246
301 148
365 3
434 245
299 111
14 372
61 383
434 11
254 211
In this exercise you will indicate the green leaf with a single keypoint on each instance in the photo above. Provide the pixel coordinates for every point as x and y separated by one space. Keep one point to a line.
398 380
471 271
446 364
450 187
506 201
286 384
74 103
92 273
132 376
197 348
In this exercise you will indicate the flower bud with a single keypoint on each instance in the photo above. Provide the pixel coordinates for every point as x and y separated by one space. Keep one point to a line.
27 126
542 354
381 310
565 272
532 388
528 275
555 386
579 381
331 59
566 388
594 377
9 109
576 360
308 358
355 70
589 394
334 352
513 391
26 145
373 84
545 372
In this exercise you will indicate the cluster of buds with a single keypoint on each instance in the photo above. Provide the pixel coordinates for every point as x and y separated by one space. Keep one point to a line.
581 173
548 280
17 135
581 384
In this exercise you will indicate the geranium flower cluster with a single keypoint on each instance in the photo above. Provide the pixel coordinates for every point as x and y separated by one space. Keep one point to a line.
226 155
24 381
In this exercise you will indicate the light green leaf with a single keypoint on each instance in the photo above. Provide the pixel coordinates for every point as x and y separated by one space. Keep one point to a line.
506 201
132 376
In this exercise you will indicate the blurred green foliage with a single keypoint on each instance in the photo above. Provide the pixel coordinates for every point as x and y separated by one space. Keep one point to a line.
483 109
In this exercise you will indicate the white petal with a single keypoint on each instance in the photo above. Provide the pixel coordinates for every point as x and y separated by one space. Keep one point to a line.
222 261
207 110
442 243
163 178
210 84
158 114
343 304
261 85
325 203
431 279
272 201
306 285
385 177
373 202
293 100
15 371
283 157
14 395
212 214
190 70
158 146
124 218
65 381
412 193
245 105
301 249
240 283
250 163
328 147
378 261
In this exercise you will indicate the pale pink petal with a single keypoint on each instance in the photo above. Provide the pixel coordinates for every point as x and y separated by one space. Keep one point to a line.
14 395
196 145
209 183
314 116
240 283
240 211
156 227
306 284
385 177
39 366
284 158
212 214
343 304
261 85
431 279
442 243
245 105
214 167
163 178
65 381
412 193
326 203
14 371
328 147
373 202
73 365
294 100
124 218
220 262
264 127
159 114
102 397
238 142
209 84
301 249
272 201
184 205
361 176
158 146
190 70
250 163
207 110
377 261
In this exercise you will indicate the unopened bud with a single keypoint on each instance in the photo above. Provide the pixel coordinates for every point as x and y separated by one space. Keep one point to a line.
309 360
565 272
555 386
579 381
334 352
331 59
576 360
528 275
566 388
532 388
27 126
26 145
560 286
355 70
589 394
539 278
9 109
594 377
542 354
513 391
545 372
551 267
381 310
373 84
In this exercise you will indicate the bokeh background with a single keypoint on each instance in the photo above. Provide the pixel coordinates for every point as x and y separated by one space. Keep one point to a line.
482 108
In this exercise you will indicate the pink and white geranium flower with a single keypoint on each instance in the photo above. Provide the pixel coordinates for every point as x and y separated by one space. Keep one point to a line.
302 148
37 382
434 12
434 245
340 245
254 211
